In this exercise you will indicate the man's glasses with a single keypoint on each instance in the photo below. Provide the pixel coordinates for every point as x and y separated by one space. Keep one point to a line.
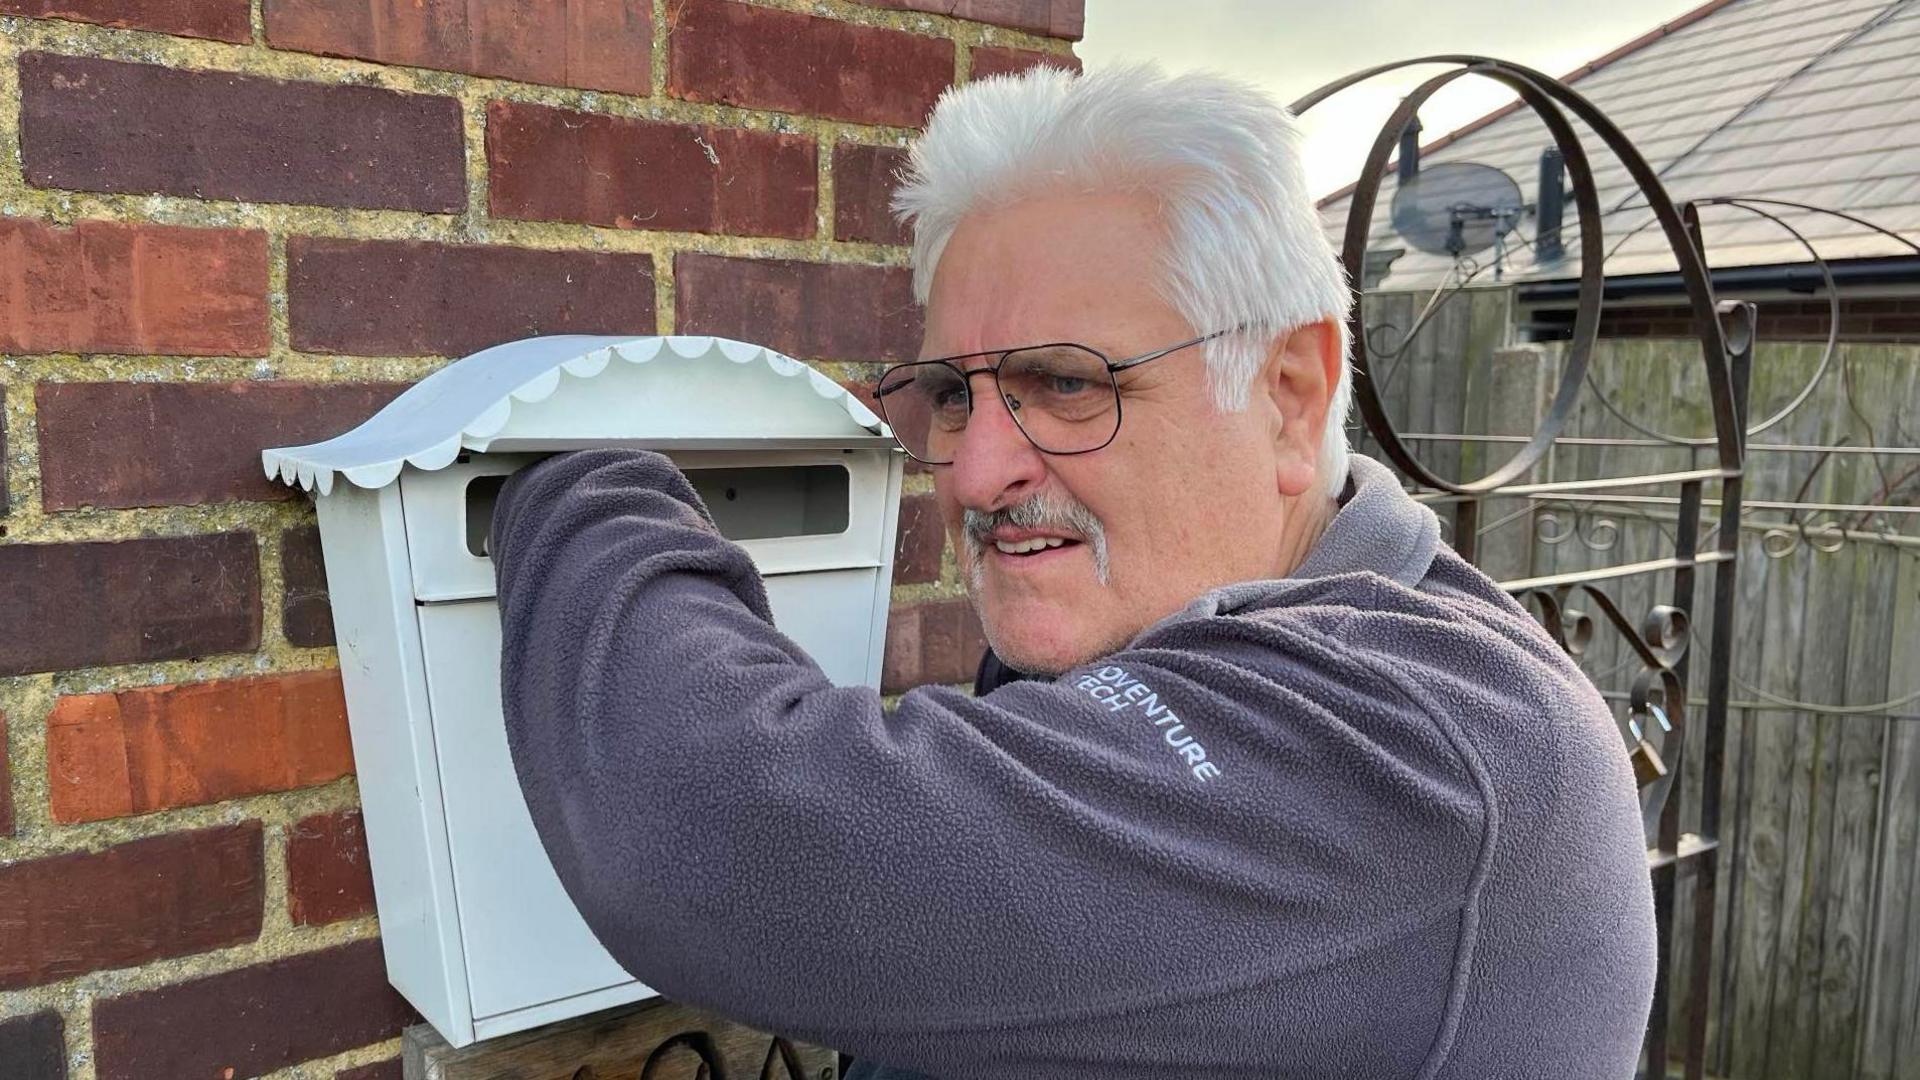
1064 397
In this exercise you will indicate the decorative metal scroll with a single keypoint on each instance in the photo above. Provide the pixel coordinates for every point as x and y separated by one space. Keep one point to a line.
1657 711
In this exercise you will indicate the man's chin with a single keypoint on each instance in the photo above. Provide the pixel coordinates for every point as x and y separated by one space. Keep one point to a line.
1038 642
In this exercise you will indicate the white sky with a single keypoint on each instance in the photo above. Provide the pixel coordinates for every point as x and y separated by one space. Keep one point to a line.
1290 47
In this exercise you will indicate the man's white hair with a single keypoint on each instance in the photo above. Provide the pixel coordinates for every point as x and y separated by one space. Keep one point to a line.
1222 158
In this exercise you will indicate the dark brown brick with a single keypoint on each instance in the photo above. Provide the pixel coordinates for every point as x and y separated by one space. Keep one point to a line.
550 164
6 785
405 298
327 873
922 541
251 1021
837 311
863 181
306 610
988 60
158 747
933 642
1054 18
106 287
132 904
222 20
34 1047
379 1070
166 444
741 54
595 44
128 601
101 125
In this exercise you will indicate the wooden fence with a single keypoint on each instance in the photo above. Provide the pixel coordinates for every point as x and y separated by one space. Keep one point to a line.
1817 960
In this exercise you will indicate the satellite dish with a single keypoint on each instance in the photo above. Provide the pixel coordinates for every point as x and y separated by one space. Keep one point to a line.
1457 208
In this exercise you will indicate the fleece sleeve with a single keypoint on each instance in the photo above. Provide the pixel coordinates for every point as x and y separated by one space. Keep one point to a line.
1220 804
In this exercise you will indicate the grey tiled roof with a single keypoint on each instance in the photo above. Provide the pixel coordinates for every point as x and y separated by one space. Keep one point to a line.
1811 102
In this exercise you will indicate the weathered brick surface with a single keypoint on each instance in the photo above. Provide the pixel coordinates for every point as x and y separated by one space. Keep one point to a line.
407 298
253 1020
835 311
550 164
102 125
306 610
1054 18
328 878
128 601
123 444
863 181
740 54
34 1046
222 20
595 44
6 785
141 901
106 287
379 1070
922 540
936 641
3 456
991 60
135 751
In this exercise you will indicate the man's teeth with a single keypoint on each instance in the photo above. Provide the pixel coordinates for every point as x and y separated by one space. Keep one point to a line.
1022 547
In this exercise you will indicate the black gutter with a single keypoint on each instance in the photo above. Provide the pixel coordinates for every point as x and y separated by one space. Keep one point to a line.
1793 277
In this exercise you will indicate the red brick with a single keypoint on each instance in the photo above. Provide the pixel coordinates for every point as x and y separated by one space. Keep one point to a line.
77 605
222 20
126 444
327 874
922 541
838 311
595 44
1054 18
34 1047
136 751
251 1021
935 642
988 60
407 298
106 287
379 1070
740 54
306 609
863 181
141 901
101 125
550 164
6 783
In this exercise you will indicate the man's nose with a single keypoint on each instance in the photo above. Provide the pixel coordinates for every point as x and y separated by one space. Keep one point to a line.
995 463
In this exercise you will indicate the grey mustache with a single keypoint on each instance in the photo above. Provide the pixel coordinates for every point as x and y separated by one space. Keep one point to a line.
1042 511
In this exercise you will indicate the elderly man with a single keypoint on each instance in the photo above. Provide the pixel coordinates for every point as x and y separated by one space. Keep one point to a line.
1283 788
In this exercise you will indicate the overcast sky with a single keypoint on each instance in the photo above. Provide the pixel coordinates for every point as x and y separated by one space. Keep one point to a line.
1292 46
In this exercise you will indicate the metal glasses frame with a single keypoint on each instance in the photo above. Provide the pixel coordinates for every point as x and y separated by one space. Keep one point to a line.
952 363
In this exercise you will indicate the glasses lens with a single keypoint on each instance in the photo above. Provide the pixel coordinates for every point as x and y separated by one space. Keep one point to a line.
1063 397
926 405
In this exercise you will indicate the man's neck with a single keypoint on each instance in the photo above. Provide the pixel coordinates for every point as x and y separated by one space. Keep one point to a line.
1307 519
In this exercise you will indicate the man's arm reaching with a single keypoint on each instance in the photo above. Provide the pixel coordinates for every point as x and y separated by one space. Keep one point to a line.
1187 816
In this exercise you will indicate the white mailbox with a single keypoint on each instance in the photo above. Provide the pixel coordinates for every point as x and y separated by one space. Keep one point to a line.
479 934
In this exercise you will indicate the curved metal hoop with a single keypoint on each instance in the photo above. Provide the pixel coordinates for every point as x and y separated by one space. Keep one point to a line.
1546 96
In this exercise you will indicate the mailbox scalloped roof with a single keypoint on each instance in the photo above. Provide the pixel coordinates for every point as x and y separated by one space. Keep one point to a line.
471 402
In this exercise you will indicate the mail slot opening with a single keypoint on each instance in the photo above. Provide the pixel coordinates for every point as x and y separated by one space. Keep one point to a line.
746 503
482 493
786 500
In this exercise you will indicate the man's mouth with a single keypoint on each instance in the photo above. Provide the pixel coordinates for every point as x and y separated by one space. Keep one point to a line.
1032 545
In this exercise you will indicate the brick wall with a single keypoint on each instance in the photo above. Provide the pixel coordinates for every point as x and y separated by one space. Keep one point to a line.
230 224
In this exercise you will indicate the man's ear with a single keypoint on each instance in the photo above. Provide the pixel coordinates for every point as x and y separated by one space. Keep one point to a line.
1303 367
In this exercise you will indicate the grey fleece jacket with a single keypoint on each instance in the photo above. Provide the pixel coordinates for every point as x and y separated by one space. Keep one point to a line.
1366 821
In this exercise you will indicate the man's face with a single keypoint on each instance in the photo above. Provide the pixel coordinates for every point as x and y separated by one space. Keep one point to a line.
1183 500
